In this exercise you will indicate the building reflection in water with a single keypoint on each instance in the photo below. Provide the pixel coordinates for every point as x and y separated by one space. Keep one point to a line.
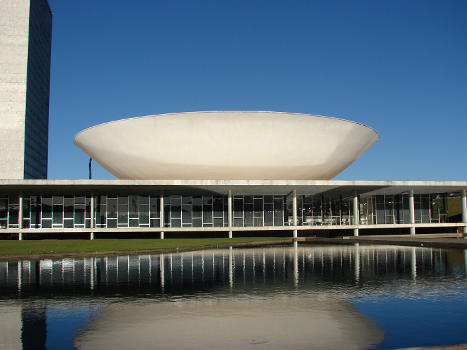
309 267
337 271
174 273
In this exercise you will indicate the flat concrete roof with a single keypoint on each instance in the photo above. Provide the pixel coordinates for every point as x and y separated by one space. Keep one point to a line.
330 188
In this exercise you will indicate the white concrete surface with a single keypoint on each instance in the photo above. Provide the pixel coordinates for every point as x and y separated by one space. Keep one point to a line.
227 145
14 30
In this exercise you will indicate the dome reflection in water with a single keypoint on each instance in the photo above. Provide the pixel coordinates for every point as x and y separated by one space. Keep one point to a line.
297 297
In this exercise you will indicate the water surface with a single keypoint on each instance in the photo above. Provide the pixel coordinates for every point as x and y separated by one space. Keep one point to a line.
296 297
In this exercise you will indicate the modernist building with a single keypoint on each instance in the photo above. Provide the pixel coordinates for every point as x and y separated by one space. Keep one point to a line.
229 172
224 171
25 39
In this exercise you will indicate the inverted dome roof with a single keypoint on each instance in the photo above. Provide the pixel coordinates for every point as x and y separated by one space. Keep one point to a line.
226 145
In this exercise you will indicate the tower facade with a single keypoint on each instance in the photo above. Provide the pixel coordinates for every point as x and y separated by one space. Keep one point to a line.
25 42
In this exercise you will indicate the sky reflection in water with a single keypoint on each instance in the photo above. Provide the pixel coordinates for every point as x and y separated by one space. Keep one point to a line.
416 296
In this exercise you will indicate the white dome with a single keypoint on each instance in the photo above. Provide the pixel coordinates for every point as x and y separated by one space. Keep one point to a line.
227 145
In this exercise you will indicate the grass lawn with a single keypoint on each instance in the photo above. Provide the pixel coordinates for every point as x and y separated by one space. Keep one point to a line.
100 245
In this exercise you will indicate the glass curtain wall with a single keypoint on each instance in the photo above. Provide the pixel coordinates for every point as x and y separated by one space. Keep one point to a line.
319 210
116 211
394 209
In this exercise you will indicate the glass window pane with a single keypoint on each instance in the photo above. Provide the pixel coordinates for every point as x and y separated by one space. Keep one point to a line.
13 214
82 200
186 214
111 223
112 207
218 207
175 223
197 209
143 214
268 214
207 200
26 208
68 208
123 200
46 207
47 223
143 200
58 214
155 222
3 208
207 214
57 200
133 206
79 215
123 215
154 207
248 214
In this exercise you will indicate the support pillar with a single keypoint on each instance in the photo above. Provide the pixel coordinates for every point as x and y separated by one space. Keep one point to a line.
294 209
229 209
20 217
161 214
412 213
356 215
93 222
464 211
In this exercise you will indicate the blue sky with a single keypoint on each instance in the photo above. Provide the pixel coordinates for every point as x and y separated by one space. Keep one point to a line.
396 65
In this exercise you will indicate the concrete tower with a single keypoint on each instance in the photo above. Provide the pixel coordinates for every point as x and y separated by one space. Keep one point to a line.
25 45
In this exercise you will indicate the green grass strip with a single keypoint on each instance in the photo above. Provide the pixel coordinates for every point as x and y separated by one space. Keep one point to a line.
102 245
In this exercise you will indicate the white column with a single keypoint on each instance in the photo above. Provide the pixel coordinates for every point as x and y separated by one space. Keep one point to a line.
20 217
356 215
161 214
412 212
294 209
93 224
229 210
464 211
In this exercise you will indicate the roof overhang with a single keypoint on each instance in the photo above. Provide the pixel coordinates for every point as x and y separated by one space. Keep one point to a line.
329 188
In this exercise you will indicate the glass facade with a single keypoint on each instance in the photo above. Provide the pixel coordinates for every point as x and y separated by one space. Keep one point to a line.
133 211
37 94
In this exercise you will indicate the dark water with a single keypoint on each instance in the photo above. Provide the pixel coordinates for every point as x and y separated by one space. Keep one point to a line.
378 297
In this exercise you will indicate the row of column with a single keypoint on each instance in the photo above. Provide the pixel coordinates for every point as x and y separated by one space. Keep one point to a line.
356 214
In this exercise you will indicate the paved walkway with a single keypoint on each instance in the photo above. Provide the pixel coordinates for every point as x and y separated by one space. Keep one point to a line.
442 347
428 240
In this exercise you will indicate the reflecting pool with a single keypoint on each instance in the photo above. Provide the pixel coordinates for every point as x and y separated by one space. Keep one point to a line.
291 297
